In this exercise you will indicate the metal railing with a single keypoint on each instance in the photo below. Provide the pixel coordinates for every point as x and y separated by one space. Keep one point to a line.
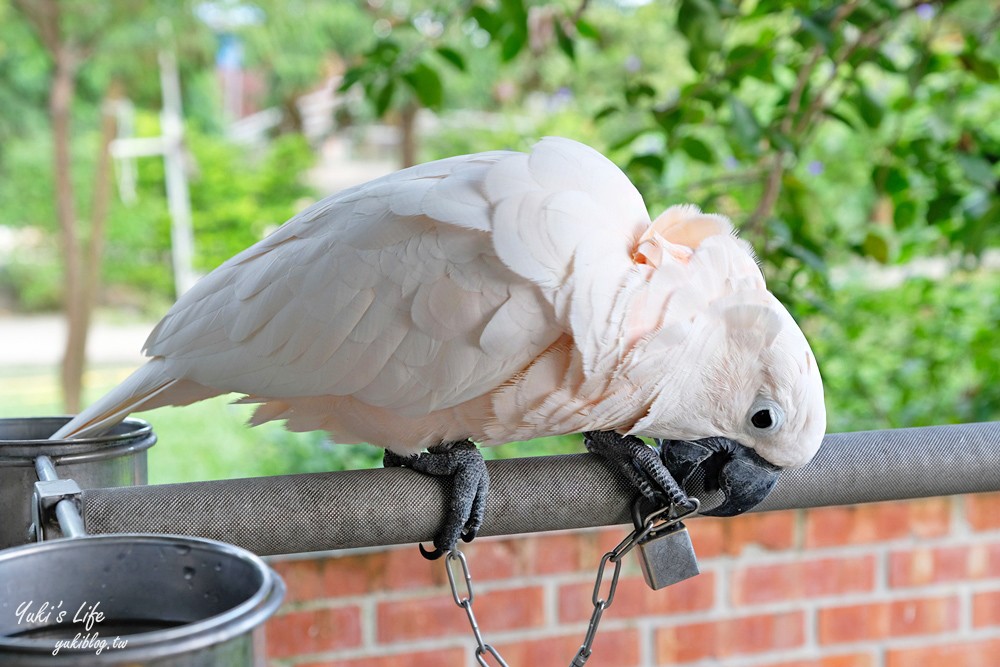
360 508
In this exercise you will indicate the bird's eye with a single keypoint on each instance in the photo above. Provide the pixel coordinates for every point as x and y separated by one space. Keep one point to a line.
765 415
762 419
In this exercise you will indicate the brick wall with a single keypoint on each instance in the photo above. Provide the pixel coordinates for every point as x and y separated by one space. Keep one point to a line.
908 584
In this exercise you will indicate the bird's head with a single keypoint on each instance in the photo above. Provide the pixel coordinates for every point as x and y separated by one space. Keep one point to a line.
751 407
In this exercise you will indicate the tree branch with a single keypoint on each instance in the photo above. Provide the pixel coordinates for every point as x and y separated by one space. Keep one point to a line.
43 15
772 186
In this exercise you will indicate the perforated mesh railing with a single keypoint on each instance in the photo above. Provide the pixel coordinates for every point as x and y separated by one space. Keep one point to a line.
311 512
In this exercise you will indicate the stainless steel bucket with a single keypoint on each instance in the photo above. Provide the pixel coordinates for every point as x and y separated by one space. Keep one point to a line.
134 599
117 458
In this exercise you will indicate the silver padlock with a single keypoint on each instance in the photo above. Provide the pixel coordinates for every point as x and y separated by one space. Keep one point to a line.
667 556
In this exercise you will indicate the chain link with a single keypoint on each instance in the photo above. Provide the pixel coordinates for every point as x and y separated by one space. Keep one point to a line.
600 604
482 648
644 526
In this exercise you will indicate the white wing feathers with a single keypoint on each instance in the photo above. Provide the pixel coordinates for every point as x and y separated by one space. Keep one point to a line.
412 294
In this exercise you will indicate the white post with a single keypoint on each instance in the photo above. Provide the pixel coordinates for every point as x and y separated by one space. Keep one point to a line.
178 198
170 145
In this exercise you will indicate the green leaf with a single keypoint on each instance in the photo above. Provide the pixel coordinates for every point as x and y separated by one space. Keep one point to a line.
587 30
843 118
386 51
976 169
351 77
745 125
605 112
636 91
942 208
452 56
982 69
891 180
566 44
815 26
697 149
904 214
426 84
487 20
667 118
516 11
512 45
627 138
383 97
869 108
700 23
876 246
653 163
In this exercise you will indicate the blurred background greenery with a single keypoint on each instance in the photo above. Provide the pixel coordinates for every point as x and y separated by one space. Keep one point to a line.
855 145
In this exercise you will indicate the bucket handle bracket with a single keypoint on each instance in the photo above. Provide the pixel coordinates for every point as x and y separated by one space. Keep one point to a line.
45 499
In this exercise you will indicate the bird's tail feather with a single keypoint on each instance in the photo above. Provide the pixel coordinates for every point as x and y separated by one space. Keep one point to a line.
148 387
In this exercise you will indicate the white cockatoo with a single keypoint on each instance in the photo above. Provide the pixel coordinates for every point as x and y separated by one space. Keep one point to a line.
496 297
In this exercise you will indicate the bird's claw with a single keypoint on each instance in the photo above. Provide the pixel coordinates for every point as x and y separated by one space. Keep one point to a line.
464 464
641 465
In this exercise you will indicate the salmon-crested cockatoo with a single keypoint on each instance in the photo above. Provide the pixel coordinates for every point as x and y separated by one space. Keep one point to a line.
497 297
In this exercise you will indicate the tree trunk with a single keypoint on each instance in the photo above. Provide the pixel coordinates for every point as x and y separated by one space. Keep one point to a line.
81 264
408 134
91 266
74 287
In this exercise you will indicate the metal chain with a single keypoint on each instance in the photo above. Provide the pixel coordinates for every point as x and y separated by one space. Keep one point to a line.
482 648
644 526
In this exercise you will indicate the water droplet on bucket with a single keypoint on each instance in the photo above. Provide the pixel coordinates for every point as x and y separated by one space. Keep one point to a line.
189 573
218 567
183 549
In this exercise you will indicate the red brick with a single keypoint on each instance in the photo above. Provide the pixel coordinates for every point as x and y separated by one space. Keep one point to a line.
596 543
930 565
982 510
876 522
490 559
888 619
708 536
634 598
774 531
972 654
803 579
313 631
553 553
438 615
736 636
847 660
449 657
611 647
986 609
339 576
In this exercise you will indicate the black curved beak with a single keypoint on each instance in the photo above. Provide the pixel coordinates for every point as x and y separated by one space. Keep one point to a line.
725 476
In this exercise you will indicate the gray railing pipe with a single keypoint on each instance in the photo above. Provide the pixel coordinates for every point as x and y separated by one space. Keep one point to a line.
357 508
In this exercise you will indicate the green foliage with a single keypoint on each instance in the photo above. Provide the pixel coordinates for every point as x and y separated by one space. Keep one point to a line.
826 131
421 47
237 200
294 42
237 197
921 354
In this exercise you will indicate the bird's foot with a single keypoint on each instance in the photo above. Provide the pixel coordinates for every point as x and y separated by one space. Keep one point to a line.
470 484
641 465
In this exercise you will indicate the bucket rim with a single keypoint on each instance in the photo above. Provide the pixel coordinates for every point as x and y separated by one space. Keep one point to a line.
23 451
203 633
